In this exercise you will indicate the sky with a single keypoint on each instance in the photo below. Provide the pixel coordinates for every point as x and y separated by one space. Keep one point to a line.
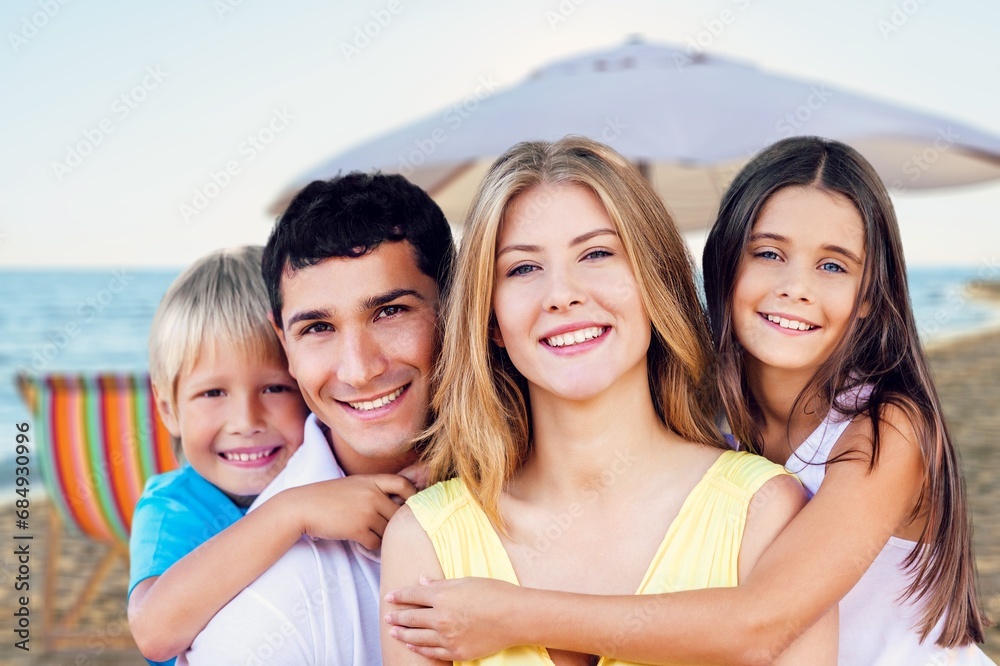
119 116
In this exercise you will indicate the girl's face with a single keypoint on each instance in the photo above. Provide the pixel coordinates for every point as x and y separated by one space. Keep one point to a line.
799 278
566 302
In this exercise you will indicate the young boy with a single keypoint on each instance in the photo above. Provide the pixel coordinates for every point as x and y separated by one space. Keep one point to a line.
223 389
355 270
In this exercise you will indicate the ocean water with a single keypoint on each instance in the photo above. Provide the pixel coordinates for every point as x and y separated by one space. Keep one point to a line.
84 321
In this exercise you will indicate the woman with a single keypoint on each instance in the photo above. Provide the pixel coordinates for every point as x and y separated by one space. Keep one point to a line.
575 407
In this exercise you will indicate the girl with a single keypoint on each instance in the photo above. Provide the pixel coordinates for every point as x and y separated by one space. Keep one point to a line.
575 405
820 369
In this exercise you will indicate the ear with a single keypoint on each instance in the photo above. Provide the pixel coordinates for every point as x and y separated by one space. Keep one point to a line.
167 414
496 336
280 332
864 309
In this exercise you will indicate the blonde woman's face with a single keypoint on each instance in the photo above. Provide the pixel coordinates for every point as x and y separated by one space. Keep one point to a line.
566 302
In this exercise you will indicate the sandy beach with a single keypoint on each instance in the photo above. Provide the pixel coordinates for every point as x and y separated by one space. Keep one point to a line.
985 290
967 372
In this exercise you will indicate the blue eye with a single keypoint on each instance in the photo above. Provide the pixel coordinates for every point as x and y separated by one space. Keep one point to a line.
833 267
767 254
598 254
521 269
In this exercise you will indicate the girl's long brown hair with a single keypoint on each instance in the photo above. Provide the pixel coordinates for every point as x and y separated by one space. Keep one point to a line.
880 350
483 429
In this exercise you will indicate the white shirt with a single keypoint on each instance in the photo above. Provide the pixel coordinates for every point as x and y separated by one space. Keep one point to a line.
318 604
876 627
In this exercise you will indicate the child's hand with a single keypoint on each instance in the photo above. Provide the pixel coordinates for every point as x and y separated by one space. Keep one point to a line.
355 508
418 473
460 619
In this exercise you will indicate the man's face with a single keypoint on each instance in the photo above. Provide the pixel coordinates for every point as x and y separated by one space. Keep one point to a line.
361 337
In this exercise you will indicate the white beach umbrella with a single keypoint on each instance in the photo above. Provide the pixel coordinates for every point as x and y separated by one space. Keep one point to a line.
689 121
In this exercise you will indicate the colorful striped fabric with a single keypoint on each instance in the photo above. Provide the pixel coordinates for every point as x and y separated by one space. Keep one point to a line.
98 438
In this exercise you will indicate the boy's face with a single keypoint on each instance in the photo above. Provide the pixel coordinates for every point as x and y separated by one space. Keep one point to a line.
361 337
239 421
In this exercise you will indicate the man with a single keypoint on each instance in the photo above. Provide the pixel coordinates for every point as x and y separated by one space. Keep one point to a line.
355 270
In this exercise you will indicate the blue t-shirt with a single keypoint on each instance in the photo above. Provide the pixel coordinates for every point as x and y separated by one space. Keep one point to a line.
178 511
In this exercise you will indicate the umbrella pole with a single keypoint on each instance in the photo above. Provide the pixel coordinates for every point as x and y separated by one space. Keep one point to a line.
644 169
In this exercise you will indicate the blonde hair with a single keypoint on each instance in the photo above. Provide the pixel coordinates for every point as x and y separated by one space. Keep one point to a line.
482 433
219 298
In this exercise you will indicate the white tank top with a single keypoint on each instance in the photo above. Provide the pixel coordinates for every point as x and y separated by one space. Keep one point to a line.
876 629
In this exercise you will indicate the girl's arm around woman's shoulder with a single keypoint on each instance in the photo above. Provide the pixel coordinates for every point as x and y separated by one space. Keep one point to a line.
799 578
471 618
407 555
773 507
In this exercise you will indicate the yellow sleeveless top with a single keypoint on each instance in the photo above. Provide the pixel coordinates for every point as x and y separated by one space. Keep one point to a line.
700 549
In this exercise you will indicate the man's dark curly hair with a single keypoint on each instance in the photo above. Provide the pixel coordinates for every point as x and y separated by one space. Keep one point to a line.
350 216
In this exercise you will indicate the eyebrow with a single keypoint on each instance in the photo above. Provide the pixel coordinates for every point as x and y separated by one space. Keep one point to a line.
308 315
369 303
582 238
829 247
379 300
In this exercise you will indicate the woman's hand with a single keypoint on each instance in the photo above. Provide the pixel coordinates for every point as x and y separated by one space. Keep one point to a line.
458 620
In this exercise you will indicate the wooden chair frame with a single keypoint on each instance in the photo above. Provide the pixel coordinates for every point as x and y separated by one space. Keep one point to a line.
98 438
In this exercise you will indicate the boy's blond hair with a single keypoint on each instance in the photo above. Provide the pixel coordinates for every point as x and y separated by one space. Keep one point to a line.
219 298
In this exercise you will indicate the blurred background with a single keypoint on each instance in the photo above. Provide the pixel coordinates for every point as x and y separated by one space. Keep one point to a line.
141 137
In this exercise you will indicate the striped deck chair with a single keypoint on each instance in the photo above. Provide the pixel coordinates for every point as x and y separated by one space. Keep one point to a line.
97 439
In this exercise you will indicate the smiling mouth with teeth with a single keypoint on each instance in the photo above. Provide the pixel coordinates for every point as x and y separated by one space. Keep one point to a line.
789 323
575 337
369 405
247 457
